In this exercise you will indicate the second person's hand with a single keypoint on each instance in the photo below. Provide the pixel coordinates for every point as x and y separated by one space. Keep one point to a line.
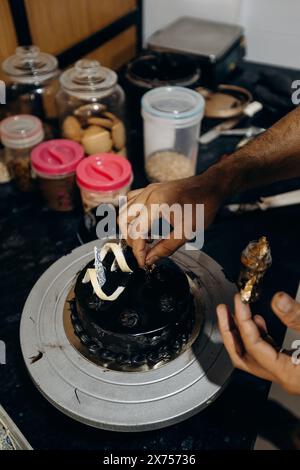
248 343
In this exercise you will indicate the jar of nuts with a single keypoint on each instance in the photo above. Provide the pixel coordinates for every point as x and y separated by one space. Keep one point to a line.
91 108
19 135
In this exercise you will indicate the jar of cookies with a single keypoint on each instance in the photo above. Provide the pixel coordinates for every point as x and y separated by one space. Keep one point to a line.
54 163
19 135
102 179
91 108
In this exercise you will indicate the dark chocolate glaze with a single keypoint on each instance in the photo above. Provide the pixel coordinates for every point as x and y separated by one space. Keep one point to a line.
152 315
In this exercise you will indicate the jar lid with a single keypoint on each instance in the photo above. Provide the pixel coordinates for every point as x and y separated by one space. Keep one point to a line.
104 172
173 103
21 131
56 157
88 79
30 65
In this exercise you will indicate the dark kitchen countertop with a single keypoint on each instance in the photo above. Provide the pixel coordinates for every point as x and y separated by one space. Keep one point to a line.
32 238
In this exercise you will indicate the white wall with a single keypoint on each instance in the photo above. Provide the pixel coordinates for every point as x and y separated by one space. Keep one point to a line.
272 31
272 26
158 13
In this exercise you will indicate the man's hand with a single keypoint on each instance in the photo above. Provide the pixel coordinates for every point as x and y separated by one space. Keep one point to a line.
248 344
272 156
205 189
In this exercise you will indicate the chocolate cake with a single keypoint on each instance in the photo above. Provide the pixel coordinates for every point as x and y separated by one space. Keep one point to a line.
150 321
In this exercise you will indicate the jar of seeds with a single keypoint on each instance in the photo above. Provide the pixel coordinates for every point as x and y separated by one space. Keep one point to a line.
172 121
19 135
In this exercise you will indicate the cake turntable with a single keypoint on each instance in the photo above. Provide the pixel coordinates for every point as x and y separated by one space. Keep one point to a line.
124 400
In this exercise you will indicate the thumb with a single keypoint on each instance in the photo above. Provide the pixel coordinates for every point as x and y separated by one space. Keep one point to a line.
163 248
287 310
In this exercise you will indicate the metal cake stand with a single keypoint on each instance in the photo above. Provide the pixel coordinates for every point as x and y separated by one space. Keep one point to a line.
122 400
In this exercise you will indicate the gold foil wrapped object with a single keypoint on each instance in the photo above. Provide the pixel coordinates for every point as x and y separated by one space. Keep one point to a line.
256 259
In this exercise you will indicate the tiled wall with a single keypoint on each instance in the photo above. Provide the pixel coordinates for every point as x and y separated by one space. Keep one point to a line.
272 26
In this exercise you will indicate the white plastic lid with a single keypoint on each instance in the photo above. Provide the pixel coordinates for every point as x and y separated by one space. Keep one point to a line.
21 131
177 106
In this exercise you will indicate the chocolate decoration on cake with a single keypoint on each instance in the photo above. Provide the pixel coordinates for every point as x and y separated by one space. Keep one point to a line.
150 320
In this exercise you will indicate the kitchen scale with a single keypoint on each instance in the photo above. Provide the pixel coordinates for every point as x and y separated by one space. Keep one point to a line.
122 400
217 48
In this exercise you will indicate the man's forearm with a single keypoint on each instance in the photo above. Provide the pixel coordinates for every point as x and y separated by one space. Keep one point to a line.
273 156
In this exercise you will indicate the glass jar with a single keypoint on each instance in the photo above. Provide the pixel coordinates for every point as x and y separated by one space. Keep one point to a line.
33 82
19 135
91 108
103 178
172 120
4 173
54 162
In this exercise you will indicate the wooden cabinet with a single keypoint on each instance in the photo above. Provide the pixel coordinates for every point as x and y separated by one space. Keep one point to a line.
117 51
58 26
8 39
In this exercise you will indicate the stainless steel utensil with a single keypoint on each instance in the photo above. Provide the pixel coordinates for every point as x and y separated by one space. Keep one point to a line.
211 135
247 131
279 200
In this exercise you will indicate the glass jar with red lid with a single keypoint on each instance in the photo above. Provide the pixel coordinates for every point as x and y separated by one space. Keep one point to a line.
54 162
102 179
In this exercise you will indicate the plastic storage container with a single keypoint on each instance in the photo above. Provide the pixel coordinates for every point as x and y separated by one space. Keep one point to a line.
33 82
91 108
102 179
172 120
54 162
19 135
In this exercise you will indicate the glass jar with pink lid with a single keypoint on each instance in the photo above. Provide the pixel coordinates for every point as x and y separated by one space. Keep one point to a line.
54 162
102 178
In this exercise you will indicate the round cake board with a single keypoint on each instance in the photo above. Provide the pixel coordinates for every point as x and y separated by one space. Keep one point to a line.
118 400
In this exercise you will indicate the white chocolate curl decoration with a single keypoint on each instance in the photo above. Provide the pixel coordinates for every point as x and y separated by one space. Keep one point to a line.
91 274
